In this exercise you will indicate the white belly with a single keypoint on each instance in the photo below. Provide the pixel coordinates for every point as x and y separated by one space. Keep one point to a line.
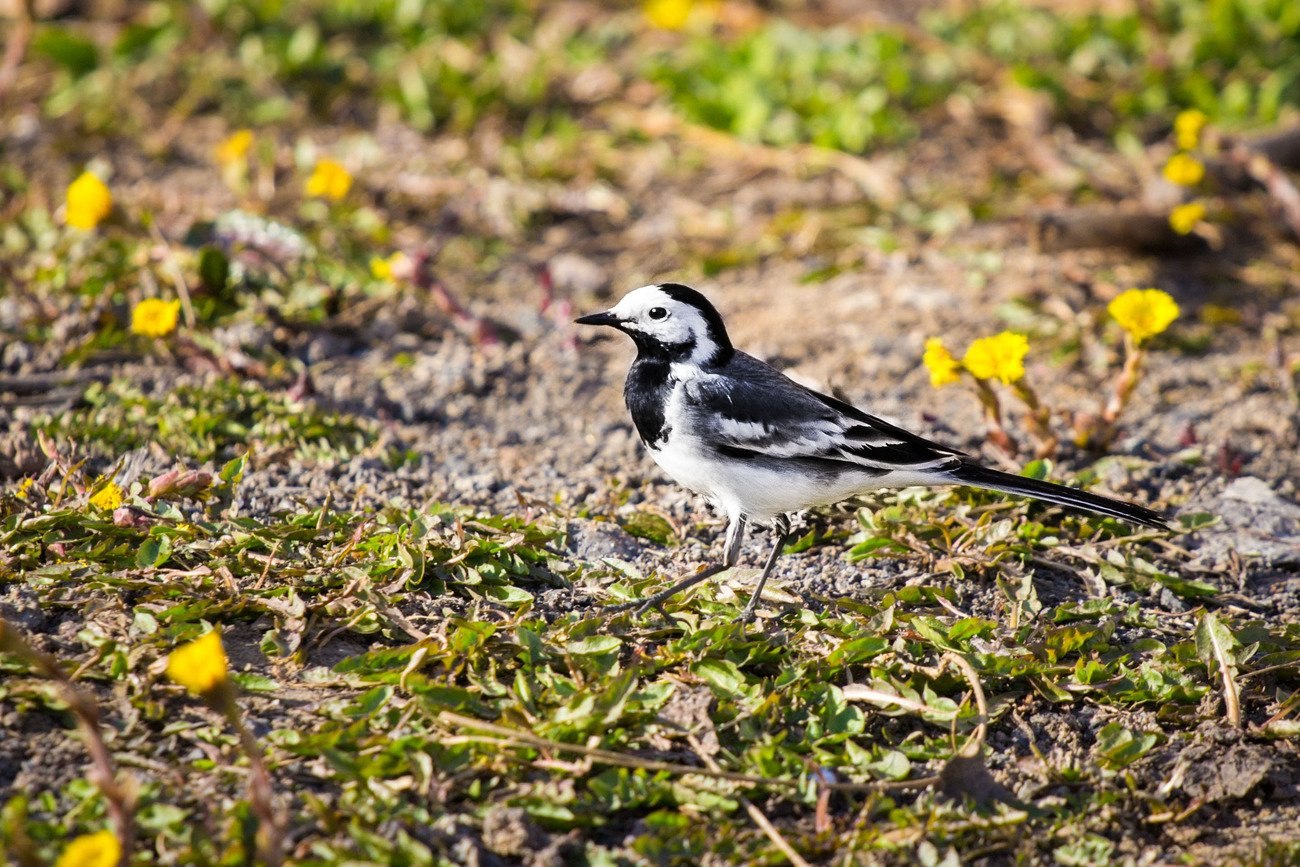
759 492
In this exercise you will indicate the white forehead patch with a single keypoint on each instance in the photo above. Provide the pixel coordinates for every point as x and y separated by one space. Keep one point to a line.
639 302
683 325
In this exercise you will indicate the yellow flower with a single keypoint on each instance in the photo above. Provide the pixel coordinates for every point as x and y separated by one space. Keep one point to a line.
199 666
100 849
388 269
1143 313
329 180
668 14
1184 218
1000 357
1187 128
154 317
107 498
1184 170
944 369
89 201
234 147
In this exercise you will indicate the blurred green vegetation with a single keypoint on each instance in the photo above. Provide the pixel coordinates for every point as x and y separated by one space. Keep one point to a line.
444 64
1235 60
543 77
208 422
783 85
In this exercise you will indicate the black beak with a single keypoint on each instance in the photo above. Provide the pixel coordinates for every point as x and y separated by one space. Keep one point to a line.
605 318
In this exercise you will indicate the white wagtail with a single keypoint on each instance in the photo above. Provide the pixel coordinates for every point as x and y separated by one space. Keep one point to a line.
761 446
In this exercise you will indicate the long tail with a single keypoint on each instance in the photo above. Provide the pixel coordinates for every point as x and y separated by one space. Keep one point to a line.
982 477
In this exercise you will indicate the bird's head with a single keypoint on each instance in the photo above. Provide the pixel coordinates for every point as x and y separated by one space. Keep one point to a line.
669 321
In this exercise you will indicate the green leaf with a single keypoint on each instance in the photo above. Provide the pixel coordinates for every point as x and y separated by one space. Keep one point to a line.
144 621
1088 609
875 547
1217 647
596 645
154 552
157 817
371 701
74 53
1091 850
214 270
1215 643
892 765
439 696
1118 747
471 635
933 631
1283 728
648 525
969 627
722 675
1197 520
1037 469
508 595
803 543
375 661
233 472
858 650
1187 588
250 682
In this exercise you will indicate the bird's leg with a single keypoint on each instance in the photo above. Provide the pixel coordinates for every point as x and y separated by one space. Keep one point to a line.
730 554
782 527
731 548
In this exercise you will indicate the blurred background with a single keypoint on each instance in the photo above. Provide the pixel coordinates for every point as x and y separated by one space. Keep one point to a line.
306 180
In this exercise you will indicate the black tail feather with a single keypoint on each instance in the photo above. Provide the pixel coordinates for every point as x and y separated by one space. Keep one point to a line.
982 477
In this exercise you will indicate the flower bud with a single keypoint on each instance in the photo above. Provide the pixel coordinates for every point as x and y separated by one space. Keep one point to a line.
193 483
127 516
165 484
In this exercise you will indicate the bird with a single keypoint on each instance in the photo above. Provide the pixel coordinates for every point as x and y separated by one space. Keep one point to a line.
762 447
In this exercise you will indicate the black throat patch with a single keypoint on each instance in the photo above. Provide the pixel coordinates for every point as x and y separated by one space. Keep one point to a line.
649 382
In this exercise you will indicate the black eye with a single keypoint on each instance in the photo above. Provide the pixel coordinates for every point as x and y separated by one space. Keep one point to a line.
658 313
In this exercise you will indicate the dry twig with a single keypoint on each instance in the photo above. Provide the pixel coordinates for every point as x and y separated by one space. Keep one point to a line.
764 824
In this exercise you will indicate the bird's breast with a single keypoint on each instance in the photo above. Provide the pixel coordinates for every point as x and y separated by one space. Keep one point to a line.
647 392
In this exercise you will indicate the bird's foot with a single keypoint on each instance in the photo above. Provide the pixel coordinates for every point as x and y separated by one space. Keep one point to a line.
657 600
641 606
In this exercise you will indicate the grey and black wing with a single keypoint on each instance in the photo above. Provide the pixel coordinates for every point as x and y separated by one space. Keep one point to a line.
752 411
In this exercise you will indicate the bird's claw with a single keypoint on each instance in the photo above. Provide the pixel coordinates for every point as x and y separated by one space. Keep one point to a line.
659 606
641 606
611 610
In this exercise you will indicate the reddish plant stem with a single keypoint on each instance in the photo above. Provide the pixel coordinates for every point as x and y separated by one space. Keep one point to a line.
20 38
1039 420
997 433
102 773
270 830
1134 355
479 330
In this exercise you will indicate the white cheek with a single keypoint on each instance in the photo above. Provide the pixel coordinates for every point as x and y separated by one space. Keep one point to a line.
676 332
